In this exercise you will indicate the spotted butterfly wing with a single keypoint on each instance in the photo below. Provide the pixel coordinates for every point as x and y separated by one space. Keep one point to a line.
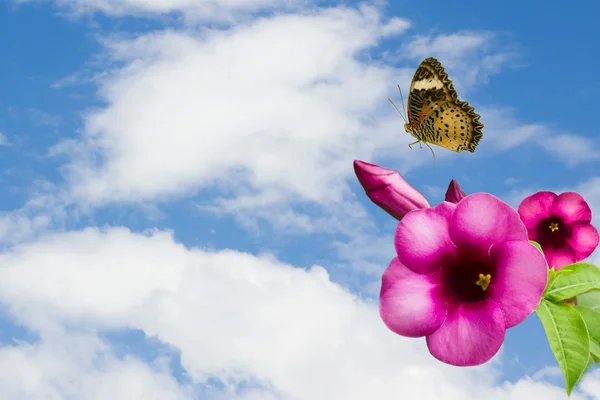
436 115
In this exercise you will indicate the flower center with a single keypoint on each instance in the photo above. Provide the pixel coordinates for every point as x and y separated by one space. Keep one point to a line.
484 281
553 233
467 280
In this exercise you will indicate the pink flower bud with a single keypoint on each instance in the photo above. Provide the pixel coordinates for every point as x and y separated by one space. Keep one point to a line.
388 190
454 194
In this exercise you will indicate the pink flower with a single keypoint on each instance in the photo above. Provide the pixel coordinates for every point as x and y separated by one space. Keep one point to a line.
463 275
387 189
561 225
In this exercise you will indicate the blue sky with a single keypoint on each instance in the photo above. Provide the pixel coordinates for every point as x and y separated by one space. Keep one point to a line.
180 217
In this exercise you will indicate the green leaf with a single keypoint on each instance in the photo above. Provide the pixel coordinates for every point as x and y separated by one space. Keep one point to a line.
573 280
592 321
568 339
590 300
551 279
537 245
551 271
595 351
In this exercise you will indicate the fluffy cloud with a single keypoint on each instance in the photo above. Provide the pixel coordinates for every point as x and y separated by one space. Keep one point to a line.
75 366
571 149
260 127
191 11
505 132
233 316
471 55
262 117
241 111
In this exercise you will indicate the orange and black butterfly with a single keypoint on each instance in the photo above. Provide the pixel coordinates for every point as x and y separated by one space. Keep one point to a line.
435 114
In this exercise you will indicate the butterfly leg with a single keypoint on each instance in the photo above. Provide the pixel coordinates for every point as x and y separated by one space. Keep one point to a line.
410 145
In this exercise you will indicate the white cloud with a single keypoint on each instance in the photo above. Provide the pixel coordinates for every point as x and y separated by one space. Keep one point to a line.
234 317
18 226
369 254
262 126
46 209
548 372
591 383
75 366
271 125
469 57
571 149
503 131
435 191
590 190
190 10
43 118
452 46
3 140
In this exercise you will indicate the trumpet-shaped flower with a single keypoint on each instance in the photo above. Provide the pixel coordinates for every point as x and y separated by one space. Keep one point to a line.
561 225
387 189
463 274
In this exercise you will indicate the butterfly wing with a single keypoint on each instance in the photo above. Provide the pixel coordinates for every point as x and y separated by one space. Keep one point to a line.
421 104
430 75
429 87
454 126
435 113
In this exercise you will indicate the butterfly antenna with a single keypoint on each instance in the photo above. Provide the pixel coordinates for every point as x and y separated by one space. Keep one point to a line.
402 100
402 115
430 149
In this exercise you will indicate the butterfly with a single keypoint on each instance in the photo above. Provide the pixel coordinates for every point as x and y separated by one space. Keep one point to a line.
435 114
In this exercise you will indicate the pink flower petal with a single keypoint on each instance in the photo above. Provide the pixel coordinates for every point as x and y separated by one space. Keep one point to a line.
584 239
481 220
454 194
422 240
519 279
536 208
471 334
558 257
387 189
410 304
571 207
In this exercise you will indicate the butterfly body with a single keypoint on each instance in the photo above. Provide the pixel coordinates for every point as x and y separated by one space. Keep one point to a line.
435 114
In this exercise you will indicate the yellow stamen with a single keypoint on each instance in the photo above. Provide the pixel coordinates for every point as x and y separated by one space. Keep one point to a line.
484 281
553 226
